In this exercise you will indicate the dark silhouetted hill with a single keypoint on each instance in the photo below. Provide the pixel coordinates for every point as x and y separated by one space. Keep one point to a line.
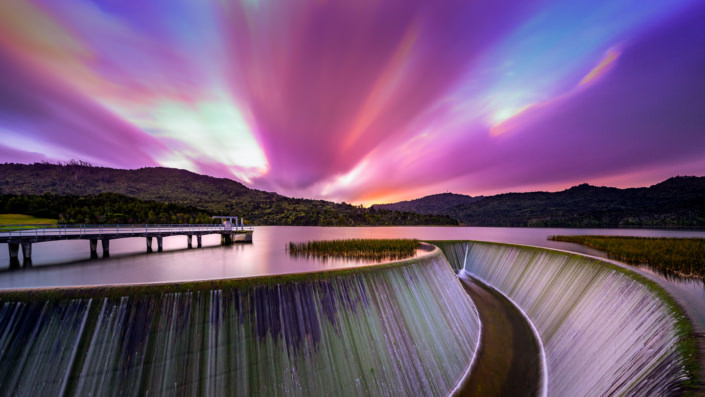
215 196
433 205
676 202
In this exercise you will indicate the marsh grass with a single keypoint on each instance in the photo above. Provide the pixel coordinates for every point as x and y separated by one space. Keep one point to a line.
680 256
360 249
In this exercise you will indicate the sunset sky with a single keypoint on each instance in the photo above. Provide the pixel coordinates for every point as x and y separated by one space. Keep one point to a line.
361 101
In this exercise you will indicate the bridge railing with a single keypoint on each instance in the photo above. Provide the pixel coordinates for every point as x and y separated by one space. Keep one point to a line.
37 230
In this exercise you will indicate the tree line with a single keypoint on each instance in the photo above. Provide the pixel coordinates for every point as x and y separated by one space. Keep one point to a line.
108 208
104 208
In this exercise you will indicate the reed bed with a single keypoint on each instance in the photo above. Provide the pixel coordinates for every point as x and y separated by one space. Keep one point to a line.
680 256
360 249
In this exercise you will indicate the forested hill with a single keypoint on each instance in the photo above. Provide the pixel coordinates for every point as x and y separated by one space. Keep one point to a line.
104 208
215 196
676 202
433 204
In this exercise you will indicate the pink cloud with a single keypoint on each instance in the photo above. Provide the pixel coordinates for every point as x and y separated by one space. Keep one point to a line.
630 120
37 107
326 84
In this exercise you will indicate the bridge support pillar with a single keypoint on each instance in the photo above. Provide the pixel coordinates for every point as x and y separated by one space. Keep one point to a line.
188 240
198 241
242 237
160 248
26 253
226 239
149 244
14 249
94 248
106 247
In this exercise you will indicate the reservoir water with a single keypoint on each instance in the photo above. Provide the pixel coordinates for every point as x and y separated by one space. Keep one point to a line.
67 263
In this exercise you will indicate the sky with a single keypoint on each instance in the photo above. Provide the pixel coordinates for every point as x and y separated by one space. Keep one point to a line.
361 101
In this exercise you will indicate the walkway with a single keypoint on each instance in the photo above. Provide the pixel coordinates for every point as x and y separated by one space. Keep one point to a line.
25 235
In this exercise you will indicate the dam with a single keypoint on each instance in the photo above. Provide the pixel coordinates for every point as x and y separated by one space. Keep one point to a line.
400 328
405 328
605 330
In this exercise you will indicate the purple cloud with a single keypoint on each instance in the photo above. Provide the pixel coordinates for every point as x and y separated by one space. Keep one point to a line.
645 113
37 108
329 82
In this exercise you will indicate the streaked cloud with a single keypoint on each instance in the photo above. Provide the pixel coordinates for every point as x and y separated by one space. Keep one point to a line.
359 101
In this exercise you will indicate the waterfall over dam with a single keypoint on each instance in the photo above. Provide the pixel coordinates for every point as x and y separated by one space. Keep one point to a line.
405 328
604 331
402 328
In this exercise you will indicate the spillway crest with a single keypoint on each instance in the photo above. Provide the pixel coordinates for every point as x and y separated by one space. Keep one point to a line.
401 329
604 332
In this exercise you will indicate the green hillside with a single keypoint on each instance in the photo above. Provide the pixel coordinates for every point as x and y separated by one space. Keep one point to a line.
212 196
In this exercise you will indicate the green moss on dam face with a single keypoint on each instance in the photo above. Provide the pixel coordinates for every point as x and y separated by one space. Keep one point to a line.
605 330
404 329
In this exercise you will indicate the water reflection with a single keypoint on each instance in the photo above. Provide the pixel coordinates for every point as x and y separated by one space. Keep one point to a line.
59 263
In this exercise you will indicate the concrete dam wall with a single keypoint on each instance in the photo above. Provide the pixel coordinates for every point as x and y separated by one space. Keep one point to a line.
604 331
400 329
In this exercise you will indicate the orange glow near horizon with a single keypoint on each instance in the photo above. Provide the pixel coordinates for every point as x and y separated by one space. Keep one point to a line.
384 196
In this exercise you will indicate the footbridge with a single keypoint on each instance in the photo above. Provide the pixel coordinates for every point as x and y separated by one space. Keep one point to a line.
16 236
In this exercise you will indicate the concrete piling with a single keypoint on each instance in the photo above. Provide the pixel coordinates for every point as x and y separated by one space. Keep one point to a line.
26 253
94 248
106 247
14 249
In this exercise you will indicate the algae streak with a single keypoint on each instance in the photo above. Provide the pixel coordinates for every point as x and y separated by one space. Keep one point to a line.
403 329
605 331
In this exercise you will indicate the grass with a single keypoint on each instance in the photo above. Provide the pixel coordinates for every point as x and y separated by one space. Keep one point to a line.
680 256
363 249
19 219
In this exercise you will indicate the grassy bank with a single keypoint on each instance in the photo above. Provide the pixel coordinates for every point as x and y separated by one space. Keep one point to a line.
20 219
681 256
363 249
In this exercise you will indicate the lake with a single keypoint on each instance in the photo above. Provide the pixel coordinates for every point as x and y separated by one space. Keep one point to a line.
267 255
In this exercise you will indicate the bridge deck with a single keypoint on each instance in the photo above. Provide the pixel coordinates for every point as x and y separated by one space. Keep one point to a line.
26 235
19 233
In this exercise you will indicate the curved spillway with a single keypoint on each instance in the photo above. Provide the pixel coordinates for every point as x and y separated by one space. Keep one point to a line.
604 331
405 328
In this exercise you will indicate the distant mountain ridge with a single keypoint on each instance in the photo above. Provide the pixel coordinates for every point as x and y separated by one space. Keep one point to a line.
675 202
433 204
216 196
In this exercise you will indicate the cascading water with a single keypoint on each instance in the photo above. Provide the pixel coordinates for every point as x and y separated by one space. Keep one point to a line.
604 332
400 329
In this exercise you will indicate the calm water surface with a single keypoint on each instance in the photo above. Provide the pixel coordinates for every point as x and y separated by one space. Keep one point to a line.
267 255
